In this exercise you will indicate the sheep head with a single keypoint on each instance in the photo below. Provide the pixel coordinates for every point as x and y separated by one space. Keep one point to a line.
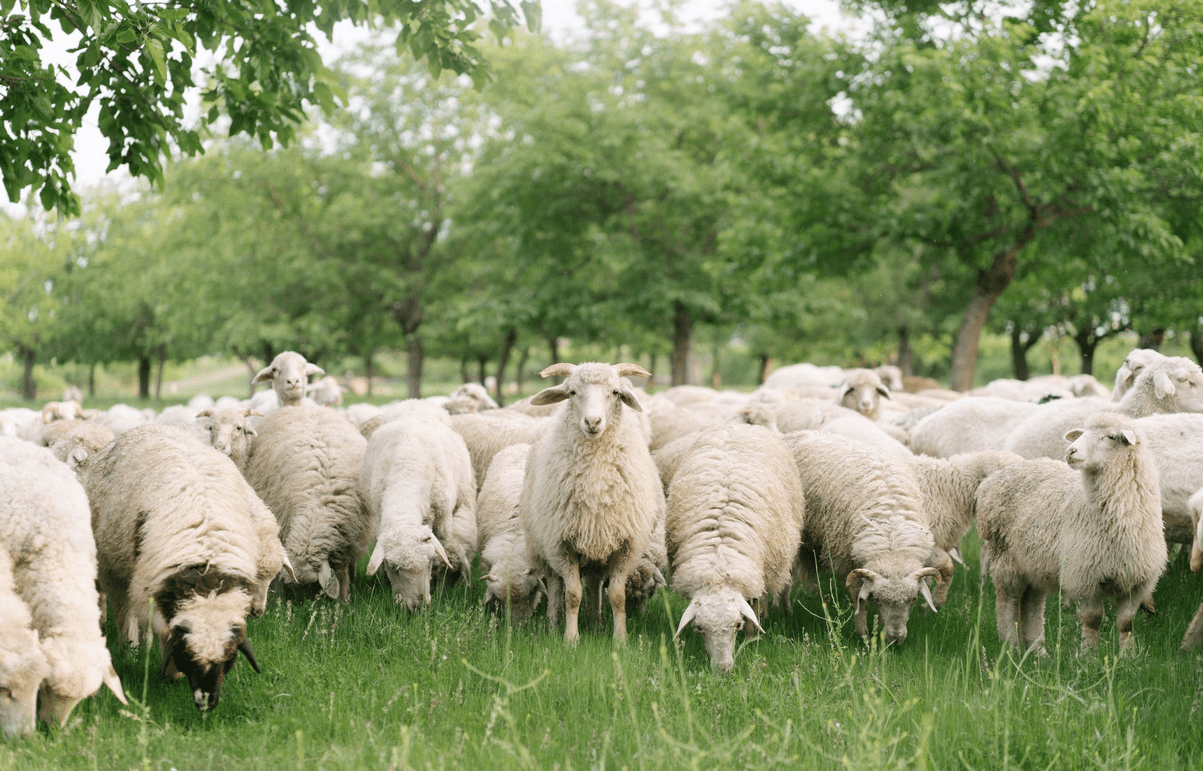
1095 447
893 597
718 616
1168 384
408 554
229 431
78 669
595 393
23 666
289 375
200 637
863 391
519 595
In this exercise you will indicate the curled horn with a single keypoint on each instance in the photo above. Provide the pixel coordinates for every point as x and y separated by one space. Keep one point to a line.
205 414
249 652
626 369
686 617
562 369
923 587
746 611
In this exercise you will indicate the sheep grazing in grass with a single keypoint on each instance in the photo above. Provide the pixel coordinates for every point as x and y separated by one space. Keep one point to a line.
230 431
512 585
735 509
864 521
417 480
23 666
176 523
591 495
1091 528
46 527
305 464
289 375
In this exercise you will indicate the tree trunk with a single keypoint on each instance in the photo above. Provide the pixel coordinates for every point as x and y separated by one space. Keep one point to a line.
766 368
413 366
507 345
1087 344
906 354
1196 343
251 369
1019 351
990 284
463 369
522 361
92 379
143 377
651 367
682 327
553 347
368 370
1152 339
29 385
481 363
161 350
716 375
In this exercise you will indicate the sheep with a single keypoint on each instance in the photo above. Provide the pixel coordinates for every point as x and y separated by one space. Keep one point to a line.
487 433
971 424
23 666
864 521
327 392
417 478
121 418
669 421
31 426
45 525
230 431
469 397
949 488
289 374
1091 528
591 494
512 585
1176 443
803 375
75 442
1166 385
1133 364
735 512
862 391
176 523
1194 632
305 464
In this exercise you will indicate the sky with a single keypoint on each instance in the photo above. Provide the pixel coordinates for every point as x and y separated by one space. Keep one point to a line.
559 20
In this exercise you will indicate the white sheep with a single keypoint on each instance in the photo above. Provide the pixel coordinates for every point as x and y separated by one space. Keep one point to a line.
327 392
75 442
230 431
176 523
512 584
469 397
23 666
1167 385
862 391
489 432
289 375
416 478
1133 364
735 509
1194 632
591 495
864 522
46 526
1091 528
972 424
1176 443
305 464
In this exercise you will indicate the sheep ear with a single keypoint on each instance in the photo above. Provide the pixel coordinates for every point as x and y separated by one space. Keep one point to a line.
562 369
376 559
1163 386
628 398
487 577
686 617
550 395
325 575
955 554
1072 436
114 684
1129 436
626 369
844 389
333 588
313 369
746 611
249 653
264 375
205 414
885 392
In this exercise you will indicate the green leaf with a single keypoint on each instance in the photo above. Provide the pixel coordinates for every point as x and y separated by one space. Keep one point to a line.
155 48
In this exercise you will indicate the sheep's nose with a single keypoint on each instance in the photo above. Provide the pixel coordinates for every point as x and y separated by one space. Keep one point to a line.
593 423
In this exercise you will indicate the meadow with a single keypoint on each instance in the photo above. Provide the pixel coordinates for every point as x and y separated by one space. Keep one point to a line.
363 686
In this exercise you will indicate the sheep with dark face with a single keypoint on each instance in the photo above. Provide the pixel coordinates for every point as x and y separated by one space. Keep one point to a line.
591 495
289 375
175 522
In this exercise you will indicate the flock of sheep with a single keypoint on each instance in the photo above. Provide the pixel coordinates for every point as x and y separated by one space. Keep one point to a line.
588 493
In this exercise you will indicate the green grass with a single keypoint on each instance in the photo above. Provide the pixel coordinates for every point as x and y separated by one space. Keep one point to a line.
362 686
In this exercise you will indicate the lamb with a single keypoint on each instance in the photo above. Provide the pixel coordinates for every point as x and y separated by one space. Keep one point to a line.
289 374
176 523
469 397
23 666
230 431
487 433
730 542
1194 632
305 464
862 391
864 521
972 424
1092 529
416 478
949 488
512 585
591 495
45 526
1167 385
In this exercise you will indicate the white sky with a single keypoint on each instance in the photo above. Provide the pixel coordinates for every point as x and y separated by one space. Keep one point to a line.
559 20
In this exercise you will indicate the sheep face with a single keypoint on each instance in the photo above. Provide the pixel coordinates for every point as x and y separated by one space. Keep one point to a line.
518 595
863 392
229 431
201 642
289 374
717 617
595 394
408 556
1093 449
22 667
892 596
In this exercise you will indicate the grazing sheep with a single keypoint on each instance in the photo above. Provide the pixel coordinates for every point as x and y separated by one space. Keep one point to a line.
289 375
176 523
591 495
23 666
1194 632
512 585
862 391
1092 529
949 488
864 522
1166 385
305 464
469 397
229 430
735 510
972 424
488 433
417 479
327 392
46 527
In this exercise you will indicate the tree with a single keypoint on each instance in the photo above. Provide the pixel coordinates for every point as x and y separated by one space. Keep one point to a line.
137 63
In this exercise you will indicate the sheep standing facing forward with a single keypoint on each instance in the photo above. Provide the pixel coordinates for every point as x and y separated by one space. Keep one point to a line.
45 524
289 375
1093 529
735 510
591 495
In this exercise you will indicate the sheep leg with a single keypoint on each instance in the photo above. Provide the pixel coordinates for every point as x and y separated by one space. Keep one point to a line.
592 599
572 601
555 600
1032 619
1194 632
1092 619
1007 607
618 606
1124 616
